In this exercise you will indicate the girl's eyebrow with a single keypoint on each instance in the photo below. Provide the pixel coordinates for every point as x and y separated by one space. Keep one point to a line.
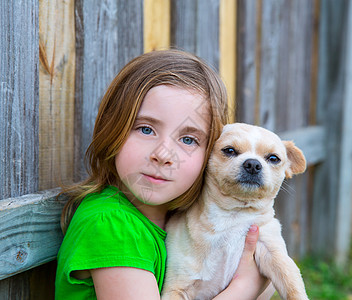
148 119
193 130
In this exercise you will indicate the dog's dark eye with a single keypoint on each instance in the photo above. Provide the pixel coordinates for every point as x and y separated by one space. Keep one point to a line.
229 151
272 158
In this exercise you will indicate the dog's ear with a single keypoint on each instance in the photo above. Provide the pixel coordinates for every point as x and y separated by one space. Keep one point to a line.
296 158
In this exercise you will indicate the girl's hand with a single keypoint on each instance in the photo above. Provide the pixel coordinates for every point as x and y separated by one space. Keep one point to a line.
247 283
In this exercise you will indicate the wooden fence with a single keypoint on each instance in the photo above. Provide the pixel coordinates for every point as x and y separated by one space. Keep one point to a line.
287 65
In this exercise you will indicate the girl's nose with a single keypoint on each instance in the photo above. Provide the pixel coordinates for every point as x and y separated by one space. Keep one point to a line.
163 155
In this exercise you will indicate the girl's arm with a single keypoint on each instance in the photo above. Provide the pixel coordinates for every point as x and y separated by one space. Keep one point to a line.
124 283
247 283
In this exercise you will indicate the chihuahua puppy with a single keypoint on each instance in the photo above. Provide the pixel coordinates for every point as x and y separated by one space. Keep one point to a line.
244 174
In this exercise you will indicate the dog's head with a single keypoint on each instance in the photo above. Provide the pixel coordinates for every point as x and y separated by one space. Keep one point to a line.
249 163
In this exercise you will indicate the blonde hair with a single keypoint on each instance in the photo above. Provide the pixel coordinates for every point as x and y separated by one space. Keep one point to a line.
119 108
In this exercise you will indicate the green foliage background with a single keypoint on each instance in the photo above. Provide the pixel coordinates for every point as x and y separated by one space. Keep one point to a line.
325 280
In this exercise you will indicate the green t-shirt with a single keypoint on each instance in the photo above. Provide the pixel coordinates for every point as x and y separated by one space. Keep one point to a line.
107 231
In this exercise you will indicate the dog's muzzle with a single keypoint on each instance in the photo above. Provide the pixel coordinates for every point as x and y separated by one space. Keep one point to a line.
251 174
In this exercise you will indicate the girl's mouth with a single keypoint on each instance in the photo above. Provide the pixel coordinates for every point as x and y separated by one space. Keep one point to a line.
155 178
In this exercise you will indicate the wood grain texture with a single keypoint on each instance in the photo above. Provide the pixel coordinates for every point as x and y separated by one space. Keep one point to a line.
246 61
110 33
329 185
344 206
227 45
294 81
156 24
19 88
56 80
100 59
311 140
30 232
183 24
195 28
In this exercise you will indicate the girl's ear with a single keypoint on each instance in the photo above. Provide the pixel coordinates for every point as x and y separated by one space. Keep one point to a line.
296 158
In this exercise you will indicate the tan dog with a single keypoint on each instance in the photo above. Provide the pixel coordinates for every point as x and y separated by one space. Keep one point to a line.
244 174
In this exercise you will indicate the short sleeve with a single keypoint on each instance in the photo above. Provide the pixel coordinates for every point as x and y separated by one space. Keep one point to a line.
110 239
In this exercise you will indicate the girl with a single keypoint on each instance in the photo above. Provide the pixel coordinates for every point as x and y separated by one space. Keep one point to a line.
153 135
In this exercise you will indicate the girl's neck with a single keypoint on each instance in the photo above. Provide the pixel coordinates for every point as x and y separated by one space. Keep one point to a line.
155 213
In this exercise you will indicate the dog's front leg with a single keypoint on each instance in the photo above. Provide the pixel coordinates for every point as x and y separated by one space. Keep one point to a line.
273 262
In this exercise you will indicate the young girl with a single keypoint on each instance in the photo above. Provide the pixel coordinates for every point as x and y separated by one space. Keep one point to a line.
155 128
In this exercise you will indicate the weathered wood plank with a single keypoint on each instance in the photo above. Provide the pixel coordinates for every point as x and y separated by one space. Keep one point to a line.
294 81
227 45
96 67
183 24
78 165
130 30
30 232
56 92
311 140
156 24
208 31
270 47
332 114
246 63
344 201
19 88
103 55
195 28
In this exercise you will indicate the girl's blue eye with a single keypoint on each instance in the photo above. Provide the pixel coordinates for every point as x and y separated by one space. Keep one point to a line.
188 140
146 130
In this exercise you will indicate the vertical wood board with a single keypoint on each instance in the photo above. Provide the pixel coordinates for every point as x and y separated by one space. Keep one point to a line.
207 38
344 205
183 24
195 28
270 46
246 61
97 34
330 113
130 30
156 24
56 80
19 98
227 45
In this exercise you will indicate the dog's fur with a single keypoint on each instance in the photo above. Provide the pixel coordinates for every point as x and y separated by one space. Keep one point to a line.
205 244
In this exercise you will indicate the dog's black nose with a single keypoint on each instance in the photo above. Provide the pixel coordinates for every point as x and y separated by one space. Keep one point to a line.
252 166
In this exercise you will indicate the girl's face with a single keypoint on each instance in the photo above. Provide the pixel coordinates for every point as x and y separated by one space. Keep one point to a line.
164 153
